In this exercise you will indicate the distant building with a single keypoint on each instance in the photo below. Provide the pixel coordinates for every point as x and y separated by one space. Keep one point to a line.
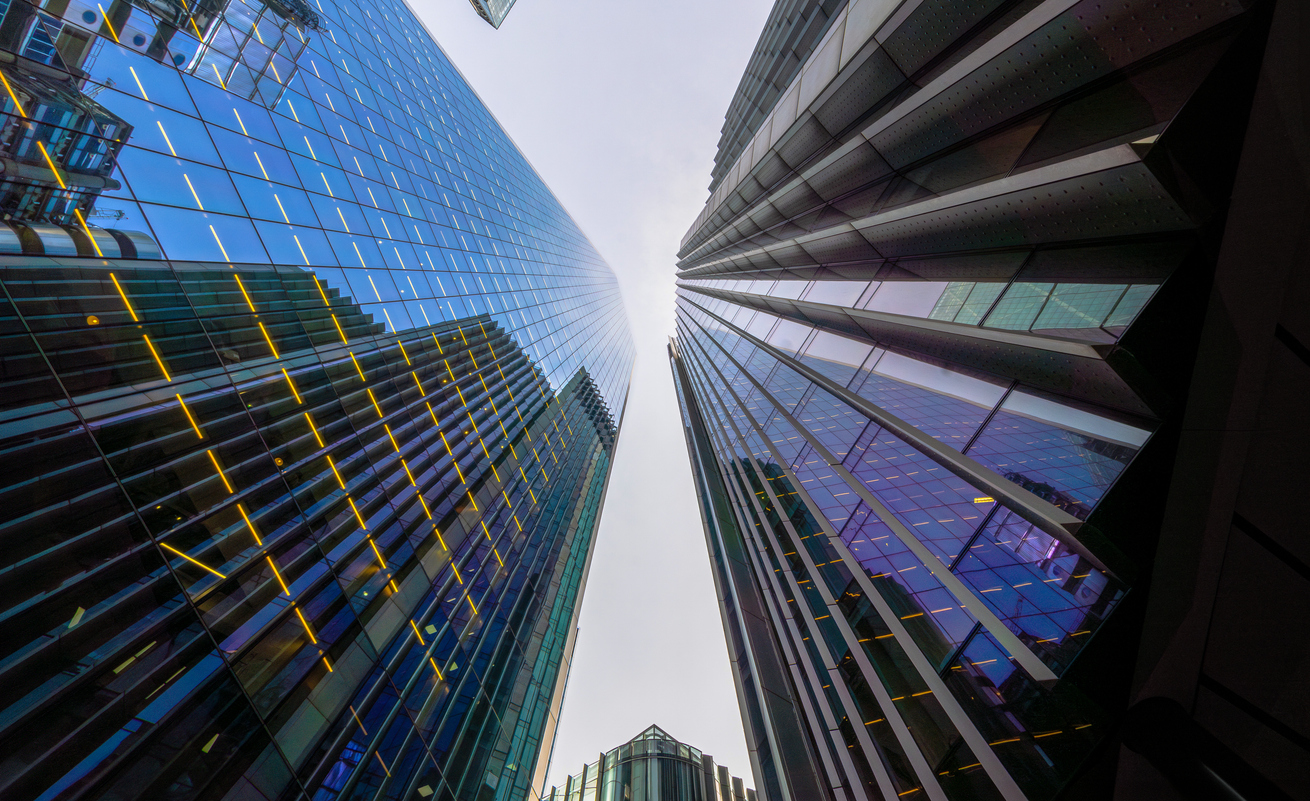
652 767
993 350
493 11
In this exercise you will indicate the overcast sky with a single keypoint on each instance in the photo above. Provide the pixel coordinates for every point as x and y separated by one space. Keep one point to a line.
618 104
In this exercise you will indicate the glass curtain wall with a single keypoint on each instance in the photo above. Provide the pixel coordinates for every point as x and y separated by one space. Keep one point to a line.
310 395
652 767
927 325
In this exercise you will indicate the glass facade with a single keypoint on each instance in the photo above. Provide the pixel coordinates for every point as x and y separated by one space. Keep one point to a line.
652 767
310 394
919 324
493 11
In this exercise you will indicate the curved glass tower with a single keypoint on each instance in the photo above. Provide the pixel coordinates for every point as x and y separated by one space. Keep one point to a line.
310 394
652 767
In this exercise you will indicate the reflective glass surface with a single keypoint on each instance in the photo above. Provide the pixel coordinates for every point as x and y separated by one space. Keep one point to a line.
311 390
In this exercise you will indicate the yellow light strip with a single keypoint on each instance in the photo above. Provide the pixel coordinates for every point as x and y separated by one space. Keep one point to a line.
12 95
328 665
245 294
339 331
123 295
221 249
158 360
189 418
375 402
310 420
78 214
269 340
279 575
358 516
469 598
112 32
421 392
437 669
217 74
414 626
214 459
358 369
130 69
291 384
167 141
391 437
192 561
51 162
190 186
320 291
305 623
403 353
405 465
378 553
426 510
250 525
334 471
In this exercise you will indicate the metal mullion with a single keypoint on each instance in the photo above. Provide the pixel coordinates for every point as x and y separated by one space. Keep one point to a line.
1054 521
995 770
914 753
783 621
395 710
700 472
839 685
1030 662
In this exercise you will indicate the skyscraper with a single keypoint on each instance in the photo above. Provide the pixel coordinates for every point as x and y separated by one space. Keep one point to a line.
310 394
983 336
652 766
493 11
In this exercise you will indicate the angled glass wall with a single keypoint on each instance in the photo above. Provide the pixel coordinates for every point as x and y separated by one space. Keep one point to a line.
310 394
935 326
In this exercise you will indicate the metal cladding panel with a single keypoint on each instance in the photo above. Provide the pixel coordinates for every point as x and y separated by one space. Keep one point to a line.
941 377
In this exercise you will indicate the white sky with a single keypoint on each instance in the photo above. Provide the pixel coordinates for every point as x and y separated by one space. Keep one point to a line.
618 104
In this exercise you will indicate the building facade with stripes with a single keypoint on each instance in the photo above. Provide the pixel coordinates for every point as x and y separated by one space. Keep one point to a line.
989 344
309 397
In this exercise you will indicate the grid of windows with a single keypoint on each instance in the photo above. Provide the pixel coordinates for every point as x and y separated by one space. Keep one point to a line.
306 454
